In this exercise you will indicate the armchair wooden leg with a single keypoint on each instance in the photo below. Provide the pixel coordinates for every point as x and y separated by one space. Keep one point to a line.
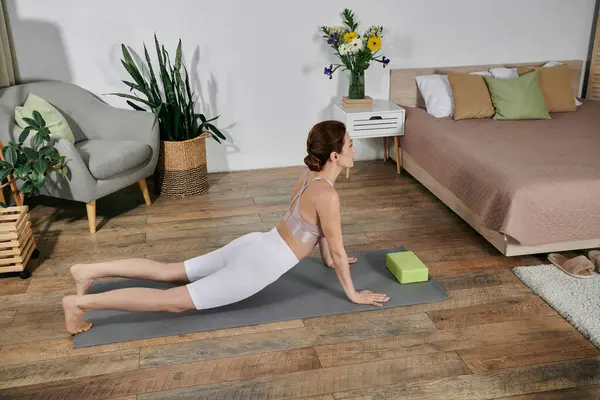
91 213
145 192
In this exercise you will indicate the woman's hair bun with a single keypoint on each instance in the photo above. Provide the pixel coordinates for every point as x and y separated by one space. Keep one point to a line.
323 139
313 163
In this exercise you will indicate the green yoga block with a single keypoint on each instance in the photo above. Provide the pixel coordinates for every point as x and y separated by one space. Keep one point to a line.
406 267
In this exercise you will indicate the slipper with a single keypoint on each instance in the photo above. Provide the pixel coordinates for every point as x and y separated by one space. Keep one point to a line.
594 255
579 267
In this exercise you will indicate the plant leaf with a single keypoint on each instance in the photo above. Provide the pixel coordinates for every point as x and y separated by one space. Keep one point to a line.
22 159
216 131
177 73
153 83
4 173
157 114
132 68
187 85
38 118
31 154
126 55
41 179
31 123
168 83
40 166
204 120
27 187
3 205
45 132
129 96
48 151
178 57
161 64
22 171
23 136
134 106
38 139
134 86
10 155
163 71
137 77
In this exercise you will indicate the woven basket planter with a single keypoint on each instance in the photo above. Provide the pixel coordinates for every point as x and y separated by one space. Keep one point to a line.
181 169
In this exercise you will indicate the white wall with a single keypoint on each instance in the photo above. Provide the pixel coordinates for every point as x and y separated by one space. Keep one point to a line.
260 63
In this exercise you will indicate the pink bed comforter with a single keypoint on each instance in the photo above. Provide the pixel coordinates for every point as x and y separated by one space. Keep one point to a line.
536 181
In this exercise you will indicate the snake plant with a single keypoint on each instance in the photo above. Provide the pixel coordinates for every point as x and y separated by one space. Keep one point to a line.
174 106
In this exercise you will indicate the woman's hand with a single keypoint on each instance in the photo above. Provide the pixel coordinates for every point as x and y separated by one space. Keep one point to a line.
330 264
368 297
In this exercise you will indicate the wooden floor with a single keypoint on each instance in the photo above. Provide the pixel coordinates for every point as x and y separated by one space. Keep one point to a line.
493 338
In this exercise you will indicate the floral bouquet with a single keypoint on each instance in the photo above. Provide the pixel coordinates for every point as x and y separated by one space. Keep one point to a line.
354 51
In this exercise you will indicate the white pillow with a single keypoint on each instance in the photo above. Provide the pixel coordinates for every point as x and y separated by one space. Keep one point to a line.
437 94
504 73
554 64
551 64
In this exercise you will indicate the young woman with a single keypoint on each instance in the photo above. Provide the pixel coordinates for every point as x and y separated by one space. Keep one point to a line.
247 264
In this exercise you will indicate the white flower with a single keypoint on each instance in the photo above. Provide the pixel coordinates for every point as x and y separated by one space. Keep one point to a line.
336 29
374 30
344 49
355 46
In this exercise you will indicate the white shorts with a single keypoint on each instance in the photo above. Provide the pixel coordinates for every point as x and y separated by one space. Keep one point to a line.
239 269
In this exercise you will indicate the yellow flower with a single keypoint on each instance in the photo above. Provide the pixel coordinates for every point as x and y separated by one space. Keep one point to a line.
349 36
374 43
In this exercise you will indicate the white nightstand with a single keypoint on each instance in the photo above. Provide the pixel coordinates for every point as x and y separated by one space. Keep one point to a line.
383 119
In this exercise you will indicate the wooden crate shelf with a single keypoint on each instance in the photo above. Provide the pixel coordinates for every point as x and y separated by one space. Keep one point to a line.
17 243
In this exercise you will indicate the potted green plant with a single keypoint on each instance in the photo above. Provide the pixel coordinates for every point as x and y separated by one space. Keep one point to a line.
355 51
30 164
181 169
27 161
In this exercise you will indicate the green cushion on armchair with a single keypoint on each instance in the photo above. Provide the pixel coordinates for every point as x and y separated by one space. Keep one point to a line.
406 267
55 121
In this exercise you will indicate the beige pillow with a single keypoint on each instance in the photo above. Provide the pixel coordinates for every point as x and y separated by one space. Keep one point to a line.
471 96
555 83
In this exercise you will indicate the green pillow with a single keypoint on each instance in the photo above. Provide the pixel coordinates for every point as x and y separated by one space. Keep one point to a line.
517 98
56 123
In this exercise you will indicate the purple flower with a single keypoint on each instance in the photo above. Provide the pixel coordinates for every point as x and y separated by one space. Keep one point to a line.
328 71
332 39
385 61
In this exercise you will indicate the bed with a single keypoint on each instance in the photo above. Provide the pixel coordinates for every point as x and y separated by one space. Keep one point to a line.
528 186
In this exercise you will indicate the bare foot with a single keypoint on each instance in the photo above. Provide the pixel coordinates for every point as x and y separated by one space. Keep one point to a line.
82 279
74 316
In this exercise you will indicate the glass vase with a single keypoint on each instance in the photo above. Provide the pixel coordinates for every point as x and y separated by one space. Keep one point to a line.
356 90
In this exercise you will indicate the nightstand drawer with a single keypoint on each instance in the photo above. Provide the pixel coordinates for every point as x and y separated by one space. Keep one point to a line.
375 124
383 119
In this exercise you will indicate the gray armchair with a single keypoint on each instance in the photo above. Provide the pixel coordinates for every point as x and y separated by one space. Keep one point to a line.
114 148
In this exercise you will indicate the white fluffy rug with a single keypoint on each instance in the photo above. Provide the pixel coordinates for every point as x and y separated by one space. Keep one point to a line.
576 299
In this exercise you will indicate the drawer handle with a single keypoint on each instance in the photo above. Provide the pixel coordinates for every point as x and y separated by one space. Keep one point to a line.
375 117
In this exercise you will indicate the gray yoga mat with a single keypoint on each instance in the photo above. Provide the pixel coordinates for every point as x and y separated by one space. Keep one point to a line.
310 289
